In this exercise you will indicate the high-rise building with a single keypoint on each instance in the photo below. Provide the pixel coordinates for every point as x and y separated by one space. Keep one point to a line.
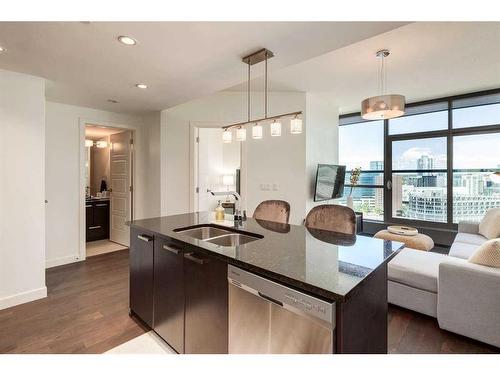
425 162
376 165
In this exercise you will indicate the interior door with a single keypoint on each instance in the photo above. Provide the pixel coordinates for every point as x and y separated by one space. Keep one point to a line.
120 176
210 167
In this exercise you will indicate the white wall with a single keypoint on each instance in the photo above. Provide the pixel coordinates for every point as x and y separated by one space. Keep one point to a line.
226 108
63 167
322 137
22 167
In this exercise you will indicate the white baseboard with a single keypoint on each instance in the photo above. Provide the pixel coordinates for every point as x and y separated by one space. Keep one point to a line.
61 261
23 297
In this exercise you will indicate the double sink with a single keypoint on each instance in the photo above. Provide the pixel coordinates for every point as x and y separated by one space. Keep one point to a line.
218 236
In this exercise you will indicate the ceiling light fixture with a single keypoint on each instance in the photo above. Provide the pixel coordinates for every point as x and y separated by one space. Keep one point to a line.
295 123
141 86
127 40
383 106
2 49
89 143
101 144
113 101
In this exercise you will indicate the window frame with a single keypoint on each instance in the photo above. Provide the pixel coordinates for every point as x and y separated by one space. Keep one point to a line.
449 133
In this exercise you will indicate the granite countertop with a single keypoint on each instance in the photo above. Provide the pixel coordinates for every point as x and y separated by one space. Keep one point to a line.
327 264
95 199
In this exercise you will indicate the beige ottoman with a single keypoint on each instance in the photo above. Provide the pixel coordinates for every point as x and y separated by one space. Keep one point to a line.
419 241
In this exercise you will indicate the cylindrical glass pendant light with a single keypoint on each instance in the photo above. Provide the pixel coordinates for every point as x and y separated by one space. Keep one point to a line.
241 134
257 131
296 126
275 129
227 136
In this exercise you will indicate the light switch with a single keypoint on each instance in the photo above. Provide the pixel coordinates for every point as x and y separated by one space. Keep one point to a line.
276 187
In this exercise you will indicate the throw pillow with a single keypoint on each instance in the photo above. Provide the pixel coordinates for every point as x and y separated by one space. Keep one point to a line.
488 254
489 227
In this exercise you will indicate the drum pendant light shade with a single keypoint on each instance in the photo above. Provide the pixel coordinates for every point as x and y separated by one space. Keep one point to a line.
241 134
257 131
295 126
383 107
275 129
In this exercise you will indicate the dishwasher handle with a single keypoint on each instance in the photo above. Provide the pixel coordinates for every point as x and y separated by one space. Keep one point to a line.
270 299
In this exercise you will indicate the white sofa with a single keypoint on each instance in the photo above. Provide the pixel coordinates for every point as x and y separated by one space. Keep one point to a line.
463 296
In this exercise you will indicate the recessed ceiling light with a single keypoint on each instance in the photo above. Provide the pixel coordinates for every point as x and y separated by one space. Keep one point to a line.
127 40
113 101
2 49
141 85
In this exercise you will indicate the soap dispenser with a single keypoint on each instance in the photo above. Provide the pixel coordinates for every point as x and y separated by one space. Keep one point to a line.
219 212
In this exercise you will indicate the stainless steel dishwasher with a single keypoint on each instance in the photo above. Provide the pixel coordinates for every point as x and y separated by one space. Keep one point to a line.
267 317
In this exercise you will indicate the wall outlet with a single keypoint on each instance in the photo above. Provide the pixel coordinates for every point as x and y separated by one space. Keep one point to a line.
276 187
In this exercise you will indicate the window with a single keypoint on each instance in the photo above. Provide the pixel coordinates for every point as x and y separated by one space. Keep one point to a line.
474 192
439 158
476 111
419 179
361 144
423 118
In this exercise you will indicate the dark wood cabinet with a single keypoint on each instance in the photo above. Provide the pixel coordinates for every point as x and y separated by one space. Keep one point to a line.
206 305
169 293
97 220
142 274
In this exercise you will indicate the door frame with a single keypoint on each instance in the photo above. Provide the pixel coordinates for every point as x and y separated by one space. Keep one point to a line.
193 161
82 253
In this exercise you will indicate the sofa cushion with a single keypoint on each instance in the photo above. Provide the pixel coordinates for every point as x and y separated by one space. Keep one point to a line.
473 239
462 249
416 268
488 254
490 225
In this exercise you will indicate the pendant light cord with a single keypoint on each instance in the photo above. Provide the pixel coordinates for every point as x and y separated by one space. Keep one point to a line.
248 93
265 94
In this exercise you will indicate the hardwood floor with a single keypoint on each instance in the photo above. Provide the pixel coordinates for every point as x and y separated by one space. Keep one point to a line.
86 311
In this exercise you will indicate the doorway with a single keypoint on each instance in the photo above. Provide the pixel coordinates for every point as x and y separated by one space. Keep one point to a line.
215 166
108 188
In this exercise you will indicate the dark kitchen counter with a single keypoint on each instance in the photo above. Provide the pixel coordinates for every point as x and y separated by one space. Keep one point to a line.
327 264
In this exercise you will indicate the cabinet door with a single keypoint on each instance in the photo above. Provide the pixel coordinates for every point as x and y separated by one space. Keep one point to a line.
141 275
169 293
89 220
101 220
206 315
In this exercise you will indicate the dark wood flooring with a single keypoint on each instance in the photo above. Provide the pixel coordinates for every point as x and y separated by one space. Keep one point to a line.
86 311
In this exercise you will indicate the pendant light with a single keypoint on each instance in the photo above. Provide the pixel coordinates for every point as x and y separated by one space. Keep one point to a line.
257 131
275 129
295 125
275 126
227 136
241 134
383 106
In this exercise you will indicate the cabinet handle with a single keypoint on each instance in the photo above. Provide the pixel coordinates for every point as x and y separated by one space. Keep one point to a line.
191 257
96 227
101 205
171 249
88 206
145 237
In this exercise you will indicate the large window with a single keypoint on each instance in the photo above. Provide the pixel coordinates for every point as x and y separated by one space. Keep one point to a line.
433 165
362 146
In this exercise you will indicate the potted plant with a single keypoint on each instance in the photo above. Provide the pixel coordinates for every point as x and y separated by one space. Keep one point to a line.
353 181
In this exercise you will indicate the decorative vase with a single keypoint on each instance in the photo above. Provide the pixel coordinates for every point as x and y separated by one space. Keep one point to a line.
349 202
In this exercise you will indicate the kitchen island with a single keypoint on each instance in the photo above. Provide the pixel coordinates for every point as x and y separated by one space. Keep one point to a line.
179 278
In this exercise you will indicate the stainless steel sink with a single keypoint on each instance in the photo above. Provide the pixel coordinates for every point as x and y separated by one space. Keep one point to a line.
204 233
233 239
219 236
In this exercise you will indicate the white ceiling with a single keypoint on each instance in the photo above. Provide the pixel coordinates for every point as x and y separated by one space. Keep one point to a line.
95 132
428 60
180 61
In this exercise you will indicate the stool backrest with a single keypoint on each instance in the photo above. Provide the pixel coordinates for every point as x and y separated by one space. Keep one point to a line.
332 217
273 210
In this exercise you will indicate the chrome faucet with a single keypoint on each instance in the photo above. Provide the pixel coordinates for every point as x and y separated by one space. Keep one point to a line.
237 203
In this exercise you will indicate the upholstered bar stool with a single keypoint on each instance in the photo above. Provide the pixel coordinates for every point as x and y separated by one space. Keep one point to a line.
273 210
332 217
